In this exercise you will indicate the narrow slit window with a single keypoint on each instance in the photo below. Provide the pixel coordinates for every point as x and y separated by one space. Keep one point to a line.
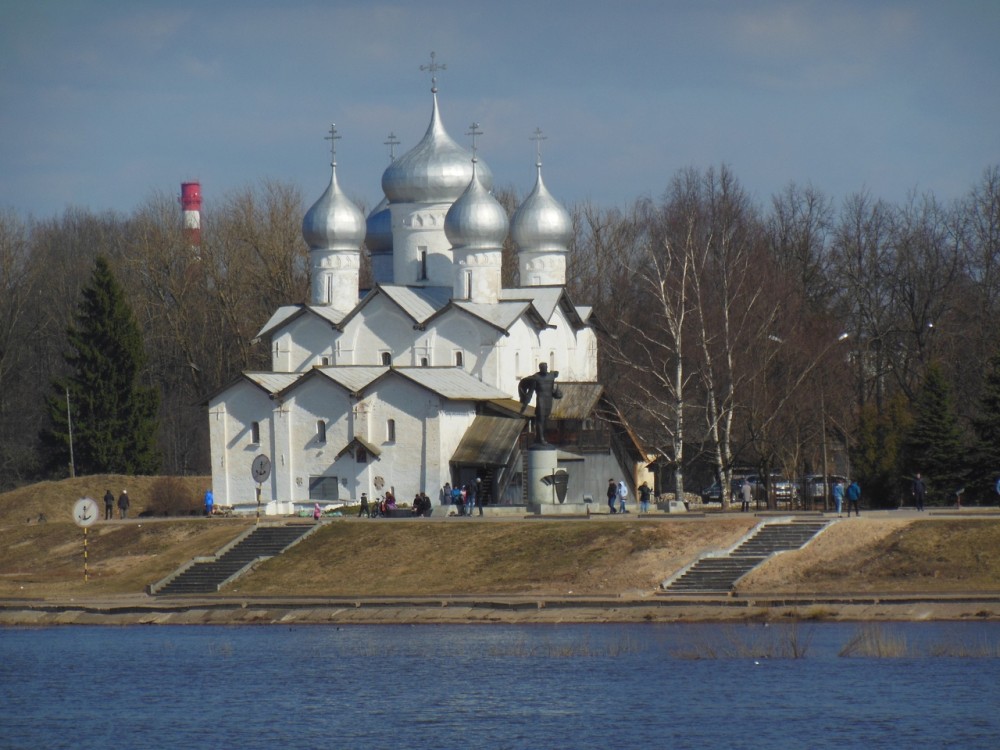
321 431
390 430
255 433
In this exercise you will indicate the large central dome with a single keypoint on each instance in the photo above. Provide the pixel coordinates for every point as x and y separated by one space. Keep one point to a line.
436 170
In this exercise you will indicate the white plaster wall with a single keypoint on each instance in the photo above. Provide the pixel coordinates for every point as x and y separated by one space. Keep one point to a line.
231 414
304 455
381 326
415 225
302 344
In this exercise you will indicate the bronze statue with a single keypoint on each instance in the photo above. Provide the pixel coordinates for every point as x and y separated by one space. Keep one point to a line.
543 385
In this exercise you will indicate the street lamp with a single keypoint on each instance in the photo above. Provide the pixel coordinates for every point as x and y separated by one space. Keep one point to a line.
822 405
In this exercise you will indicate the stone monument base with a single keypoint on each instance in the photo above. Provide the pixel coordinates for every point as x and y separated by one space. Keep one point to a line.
543 464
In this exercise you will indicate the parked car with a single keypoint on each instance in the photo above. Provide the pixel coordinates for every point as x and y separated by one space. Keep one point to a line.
712 493
811 487
782 489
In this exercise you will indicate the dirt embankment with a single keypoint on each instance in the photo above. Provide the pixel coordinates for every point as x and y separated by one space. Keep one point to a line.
601 558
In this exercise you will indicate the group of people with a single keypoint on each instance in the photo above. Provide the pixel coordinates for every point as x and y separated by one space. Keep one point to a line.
618 496
381 507
109 505
465 499
853 494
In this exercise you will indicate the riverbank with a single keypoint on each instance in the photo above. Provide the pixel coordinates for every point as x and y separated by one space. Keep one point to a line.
886 565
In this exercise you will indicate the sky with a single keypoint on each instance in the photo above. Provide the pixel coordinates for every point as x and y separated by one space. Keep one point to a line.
107 104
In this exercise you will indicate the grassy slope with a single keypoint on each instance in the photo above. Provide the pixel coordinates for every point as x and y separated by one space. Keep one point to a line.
352 557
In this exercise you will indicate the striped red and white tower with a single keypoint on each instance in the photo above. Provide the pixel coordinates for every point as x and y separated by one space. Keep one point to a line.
191 203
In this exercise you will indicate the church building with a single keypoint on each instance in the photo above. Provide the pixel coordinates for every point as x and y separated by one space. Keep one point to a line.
413 383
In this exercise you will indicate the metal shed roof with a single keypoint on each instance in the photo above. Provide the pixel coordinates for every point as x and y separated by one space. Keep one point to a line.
488 441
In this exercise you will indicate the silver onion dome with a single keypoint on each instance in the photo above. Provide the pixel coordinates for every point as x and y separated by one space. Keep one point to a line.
541 223
334 222
378 237
436 170
476 219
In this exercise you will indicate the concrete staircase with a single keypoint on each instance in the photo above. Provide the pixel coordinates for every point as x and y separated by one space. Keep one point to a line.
207 574
718 574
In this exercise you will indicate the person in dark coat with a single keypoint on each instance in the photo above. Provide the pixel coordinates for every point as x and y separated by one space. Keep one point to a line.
123 504
612 495
109 506
919 492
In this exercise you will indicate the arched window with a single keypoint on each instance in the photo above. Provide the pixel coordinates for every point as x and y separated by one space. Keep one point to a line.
422 273
424 362
321 431
459 359
386 358
325 361
390 430
255 433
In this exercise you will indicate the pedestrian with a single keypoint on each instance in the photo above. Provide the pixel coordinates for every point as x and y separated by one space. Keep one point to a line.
123 504
479 495
209 502
644 493
316 512
919 492
612 495
854 498
746 495
457 500
365 510
109 506
622 496
838 497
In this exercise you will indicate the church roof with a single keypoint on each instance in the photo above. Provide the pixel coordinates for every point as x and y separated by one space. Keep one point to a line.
488 441
578 400
501 315
287 313
452 383
272 382
546 299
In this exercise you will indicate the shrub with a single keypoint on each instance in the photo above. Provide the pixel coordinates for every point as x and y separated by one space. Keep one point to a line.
169 496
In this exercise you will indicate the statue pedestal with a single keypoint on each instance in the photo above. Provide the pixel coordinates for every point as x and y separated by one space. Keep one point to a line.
543 464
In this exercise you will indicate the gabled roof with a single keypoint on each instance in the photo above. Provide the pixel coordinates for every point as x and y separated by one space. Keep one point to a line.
546 299
452 383
288 313
417 303
355 441
269 382
501 315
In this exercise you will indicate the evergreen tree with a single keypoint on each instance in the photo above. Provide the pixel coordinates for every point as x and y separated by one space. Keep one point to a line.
113 417
877 453
934 442
984 467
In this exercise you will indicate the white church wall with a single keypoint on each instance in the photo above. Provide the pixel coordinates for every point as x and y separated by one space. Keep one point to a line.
232 415
380 327
303 343
456 332
311 450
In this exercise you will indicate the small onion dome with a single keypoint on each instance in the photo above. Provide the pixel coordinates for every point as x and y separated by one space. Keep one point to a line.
476 219
334 222
541 224
378 237
436 170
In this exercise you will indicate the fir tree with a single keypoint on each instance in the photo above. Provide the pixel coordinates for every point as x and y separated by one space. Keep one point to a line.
984 467
934 443
877 452
113 417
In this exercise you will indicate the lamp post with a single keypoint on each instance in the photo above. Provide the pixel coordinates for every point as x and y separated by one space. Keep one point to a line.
822 405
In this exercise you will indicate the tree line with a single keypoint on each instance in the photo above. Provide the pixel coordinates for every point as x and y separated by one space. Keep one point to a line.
734 334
